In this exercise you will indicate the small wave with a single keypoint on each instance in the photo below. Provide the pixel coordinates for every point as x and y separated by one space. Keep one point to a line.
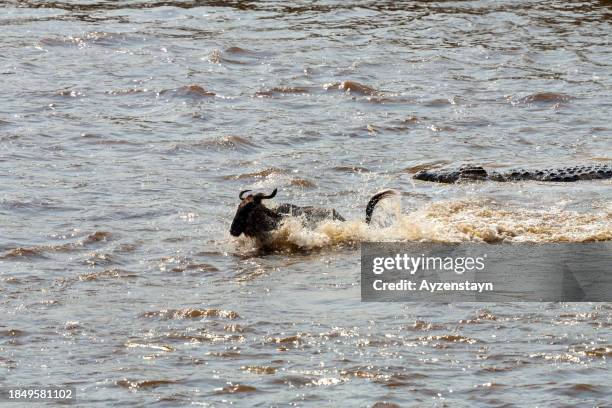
295 339
200 267
561 357
33 204
258 174
385 404
12 280
225 354
425 166
219 143
98 258
401 380
299 182
228 142
116 142
442 102
352 87
235 55
259 369
100 38
235 328
202 337
421 325
327 381
8 363
188 91
447 338
152 346
604 351
543 98
192 313
351 169
283 90
579 390
106 274
12 333
235 388
97 237
294 381
127 91
139 384
20 252
69 93
239 50
39 251
483 316
391 100
215 57
363 373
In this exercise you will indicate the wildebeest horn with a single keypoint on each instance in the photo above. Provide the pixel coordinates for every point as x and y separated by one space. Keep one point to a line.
242 192
262 196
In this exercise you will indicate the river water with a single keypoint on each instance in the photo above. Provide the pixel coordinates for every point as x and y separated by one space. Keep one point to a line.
127 129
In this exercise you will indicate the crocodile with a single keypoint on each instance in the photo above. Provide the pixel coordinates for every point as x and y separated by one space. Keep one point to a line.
478 173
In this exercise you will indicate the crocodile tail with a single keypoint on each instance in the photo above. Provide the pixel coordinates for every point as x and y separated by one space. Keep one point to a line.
374 200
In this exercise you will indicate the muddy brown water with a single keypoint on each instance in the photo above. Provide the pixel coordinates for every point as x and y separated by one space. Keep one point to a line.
128 128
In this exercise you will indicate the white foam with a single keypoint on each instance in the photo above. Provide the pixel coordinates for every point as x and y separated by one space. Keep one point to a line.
451 221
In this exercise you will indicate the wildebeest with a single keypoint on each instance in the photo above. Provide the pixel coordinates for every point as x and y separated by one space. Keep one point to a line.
254 219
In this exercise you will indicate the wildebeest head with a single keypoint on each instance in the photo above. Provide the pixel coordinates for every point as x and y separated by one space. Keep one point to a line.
252 217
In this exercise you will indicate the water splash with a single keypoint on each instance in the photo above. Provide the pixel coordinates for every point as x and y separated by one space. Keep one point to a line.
474 220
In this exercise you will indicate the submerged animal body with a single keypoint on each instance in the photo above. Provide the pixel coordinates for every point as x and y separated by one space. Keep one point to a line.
255 220
477 173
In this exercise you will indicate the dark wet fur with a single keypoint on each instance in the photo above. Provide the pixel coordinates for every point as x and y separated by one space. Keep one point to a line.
477 173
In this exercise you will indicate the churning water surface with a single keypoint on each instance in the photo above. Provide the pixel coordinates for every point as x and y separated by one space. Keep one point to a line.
127 129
